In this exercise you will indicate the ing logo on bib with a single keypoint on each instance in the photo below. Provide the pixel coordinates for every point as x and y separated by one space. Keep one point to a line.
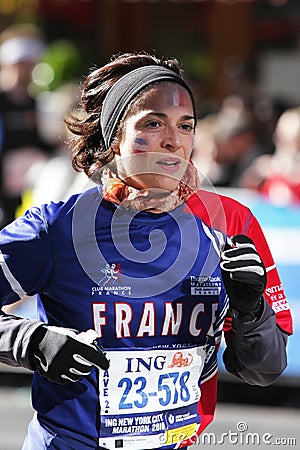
179 360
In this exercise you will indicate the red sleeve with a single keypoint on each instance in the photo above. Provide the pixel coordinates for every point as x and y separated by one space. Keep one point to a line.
206 408
274 292
231 217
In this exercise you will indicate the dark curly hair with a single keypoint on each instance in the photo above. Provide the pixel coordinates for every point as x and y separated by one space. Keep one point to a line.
87 146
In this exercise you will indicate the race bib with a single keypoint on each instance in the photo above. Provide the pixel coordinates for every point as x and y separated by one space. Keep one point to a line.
149 397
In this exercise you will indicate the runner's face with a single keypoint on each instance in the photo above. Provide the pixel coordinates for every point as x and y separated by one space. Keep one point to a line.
157 139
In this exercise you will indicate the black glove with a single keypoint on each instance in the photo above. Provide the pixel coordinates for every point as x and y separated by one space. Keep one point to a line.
63 355
244 274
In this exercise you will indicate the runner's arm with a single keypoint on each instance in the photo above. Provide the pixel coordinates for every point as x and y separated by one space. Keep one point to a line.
15 336
256 352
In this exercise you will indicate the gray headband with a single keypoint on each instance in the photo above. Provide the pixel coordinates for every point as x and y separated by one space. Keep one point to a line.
126 89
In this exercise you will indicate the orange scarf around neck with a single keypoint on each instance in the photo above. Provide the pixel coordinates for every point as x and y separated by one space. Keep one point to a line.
118 192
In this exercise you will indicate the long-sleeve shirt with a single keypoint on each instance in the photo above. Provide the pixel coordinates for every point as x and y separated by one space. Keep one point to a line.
151 286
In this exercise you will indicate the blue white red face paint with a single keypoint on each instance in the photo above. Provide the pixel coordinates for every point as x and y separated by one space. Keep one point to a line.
140 145
161 130
175 98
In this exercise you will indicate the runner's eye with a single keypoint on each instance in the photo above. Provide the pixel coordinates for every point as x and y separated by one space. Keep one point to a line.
153 124
187 127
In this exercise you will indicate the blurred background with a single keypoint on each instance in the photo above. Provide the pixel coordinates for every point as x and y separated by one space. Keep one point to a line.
242 59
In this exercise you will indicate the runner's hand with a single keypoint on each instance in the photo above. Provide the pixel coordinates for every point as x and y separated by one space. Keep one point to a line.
63 355
244 274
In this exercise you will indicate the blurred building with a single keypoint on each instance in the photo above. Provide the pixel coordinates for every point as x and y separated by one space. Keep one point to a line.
224 45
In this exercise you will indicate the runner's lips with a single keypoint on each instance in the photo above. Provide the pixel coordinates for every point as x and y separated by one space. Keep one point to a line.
169 164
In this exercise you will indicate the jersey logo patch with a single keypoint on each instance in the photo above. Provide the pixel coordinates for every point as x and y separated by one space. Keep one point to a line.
205 285
111 282
112 274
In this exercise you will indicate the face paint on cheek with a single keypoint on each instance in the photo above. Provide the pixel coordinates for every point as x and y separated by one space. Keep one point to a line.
140 145
176 98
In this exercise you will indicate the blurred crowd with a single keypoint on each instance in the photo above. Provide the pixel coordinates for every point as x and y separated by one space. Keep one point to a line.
233 148
35 163
242 143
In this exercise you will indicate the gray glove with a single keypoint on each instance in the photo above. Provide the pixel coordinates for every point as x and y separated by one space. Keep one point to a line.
63 355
